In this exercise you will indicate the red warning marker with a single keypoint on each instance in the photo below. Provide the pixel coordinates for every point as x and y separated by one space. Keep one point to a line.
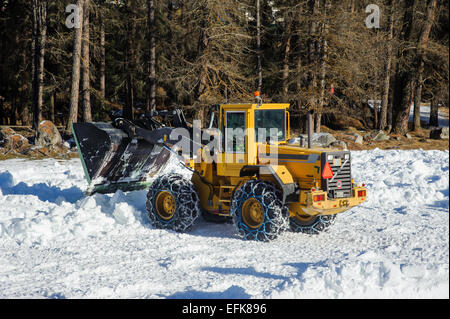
327 171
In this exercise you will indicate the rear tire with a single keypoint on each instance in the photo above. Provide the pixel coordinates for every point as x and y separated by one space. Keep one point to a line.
257 211
172 203
311 225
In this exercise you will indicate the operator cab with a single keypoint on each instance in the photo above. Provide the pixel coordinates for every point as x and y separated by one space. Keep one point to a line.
267 123
244 127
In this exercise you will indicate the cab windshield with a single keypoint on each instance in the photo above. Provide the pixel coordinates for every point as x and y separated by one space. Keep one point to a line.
269 124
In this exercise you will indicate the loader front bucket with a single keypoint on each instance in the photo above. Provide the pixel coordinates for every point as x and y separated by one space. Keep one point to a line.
112 160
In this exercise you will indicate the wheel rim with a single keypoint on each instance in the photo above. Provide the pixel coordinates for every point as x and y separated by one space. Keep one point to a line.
252 213
165 205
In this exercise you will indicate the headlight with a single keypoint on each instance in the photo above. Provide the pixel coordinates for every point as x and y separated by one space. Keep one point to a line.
330 158
347 156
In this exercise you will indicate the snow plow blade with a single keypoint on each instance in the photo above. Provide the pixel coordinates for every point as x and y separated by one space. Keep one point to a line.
112 160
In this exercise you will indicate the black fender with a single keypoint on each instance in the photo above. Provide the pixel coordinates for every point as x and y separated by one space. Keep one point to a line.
290 191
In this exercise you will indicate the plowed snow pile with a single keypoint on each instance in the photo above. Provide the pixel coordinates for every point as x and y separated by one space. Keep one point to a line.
56 243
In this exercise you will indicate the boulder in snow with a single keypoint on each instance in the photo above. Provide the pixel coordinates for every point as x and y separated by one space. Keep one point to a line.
358 139
5 132
10 141
17 143
48 137
439 133
317 139
381 136
339 144
325 139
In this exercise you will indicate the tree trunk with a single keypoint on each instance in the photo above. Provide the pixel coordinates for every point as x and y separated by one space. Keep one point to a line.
392 96
402 119
2 111
24 113
13 117
15 83
131 61
301 116
418 98
52 107
39 42
323 67
287 50
102 61
74 95
33 58
352 6
405 78
152 55
200 115
85 58
258 45
42 44
387 70
434 113
375 112
317 122
202 77
129 104
312 56
423 41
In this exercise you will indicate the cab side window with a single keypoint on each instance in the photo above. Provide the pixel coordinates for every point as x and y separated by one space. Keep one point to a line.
235 132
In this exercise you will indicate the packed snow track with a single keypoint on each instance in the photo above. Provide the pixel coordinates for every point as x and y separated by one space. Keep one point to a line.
57 243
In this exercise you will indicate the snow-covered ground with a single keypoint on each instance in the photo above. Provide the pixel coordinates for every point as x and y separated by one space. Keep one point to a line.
56 243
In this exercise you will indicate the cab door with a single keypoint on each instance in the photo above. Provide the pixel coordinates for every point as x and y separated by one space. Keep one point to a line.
234 142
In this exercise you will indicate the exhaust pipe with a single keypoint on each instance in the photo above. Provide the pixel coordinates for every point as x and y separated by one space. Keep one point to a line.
310 128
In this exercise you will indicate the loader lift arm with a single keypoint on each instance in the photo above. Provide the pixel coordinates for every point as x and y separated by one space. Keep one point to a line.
152 130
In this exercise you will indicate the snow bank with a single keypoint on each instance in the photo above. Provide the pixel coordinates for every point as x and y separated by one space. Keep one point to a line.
45 202
371 276
56 243
403 179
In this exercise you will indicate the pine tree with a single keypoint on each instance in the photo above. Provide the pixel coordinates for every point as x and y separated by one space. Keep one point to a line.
74 95
38 49
86 61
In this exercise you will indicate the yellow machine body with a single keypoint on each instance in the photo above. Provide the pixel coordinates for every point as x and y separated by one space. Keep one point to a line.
296 171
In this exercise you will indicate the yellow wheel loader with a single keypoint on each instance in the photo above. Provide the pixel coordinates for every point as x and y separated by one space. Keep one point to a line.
243 170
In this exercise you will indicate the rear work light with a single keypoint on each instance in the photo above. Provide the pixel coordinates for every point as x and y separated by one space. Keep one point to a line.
362 193
319 198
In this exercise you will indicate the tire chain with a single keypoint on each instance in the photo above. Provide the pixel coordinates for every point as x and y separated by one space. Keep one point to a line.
318 226
186 198
275 213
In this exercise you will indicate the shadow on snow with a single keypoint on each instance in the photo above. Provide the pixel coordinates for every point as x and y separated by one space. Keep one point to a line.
43 191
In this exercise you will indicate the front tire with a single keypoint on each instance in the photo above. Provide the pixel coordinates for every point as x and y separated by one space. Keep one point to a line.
257 211
172 203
